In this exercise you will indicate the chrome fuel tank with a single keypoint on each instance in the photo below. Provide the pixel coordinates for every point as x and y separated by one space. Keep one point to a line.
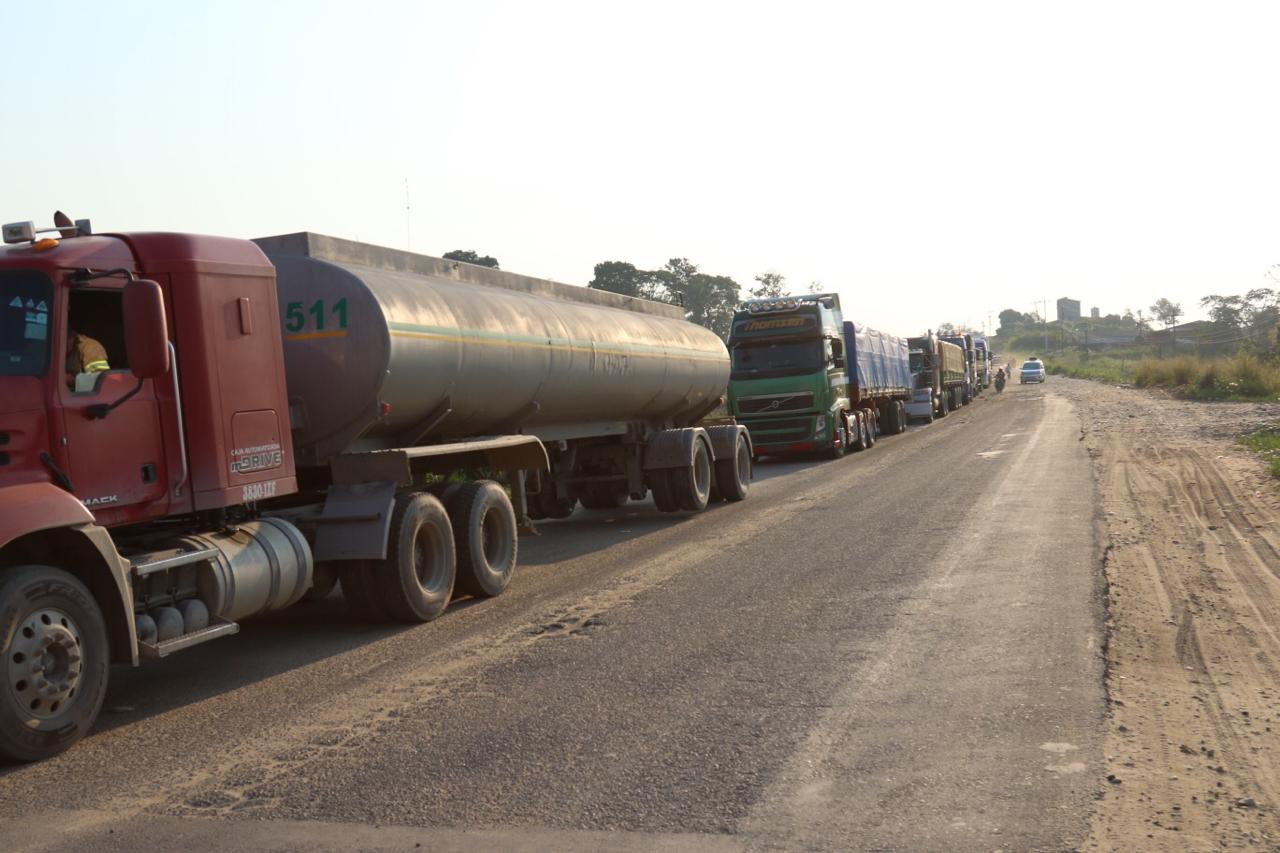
378 343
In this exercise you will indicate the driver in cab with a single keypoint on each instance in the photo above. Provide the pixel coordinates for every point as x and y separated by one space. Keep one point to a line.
85 357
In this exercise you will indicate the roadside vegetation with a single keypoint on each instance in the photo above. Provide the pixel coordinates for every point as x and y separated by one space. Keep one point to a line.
1238 377
1266 442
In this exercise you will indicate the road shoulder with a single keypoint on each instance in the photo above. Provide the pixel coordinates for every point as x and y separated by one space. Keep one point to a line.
1193 656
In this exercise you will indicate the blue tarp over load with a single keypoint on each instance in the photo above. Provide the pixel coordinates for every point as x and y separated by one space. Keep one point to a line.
878 363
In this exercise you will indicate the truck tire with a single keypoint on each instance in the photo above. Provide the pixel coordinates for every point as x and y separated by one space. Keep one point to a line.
360 591
484 538
943 406
733 475
445 491
56 661
837 449
664 497
873 428
692 484
888 417
859 430
416 579
323 579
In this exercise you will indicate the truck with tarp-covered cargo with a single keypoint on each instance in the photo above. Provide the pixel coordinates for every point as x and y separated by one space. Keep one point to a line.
804 378
939 377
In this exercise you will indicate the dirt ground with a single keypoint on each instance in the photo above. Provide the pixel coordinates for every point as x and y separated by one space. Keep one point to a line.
1193 659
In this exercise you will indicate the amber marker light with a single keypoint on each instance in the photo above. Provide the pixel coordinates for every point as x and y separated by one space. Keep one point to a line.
44 243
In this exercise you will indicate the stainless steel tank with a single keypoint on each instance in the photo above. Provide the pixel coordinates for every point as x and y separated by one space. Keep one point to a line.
378 342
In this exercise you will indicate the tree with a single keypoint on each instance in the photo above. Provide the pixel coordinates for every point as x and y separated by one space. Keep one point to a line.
1012 322
616 277
815 287
946 328
1167 312
467 256
708 300
771 284
622 277
1225 310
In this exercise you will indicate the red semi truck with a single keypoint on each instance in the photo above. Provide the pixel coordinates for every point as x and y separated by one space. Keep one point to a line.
280 414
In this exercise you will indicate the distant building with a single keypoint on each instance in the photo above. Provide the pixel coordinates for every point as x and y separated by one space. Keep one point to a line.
1094 312
1068 309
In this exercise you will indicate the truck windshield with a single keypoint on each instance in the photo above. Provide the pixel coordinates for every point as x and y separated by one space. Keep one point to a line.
25 299
776 358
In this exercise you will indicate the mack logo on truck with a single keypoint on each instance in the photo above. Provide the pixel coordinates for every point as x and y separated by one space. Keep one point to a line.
244 460
101 501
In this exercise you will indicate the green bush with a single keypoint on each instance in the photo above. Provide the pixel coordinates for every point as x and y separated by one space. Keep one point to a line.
1267 443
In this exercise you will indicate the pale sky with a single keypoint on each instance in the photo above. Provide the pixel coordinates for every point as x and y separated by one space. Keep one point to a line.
929 161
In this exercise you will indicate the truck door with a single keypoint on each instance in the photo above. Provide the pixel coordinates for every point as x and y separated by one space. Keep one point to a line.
116 461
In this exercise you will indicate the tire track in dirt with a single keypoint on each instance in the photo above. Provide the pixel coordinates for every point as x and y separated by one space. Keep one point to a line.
1194 651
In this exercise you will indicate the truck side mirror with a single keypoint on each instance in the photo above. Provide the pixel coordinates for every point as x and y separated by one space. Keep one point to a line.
146 335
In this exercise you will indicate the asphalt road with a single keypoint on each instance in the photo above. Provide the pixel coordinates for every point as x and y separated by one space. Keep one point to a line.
897 650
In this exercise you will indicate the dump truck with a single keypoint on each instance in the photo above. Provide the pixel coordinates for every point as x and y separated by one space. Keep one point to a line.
939 376
805 379
267 418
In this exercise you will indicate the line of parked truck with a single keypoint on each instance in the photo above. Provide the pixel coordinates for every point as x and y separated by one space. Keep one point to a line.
806 379
275 416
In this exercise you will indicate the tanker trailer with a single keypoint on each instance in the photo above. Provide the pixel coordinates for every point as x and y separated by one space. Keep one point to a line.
264 427
418 350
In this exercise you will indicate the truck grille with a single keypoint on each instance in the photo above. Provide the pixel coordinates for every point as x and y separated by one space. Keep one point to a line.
775 403
785 429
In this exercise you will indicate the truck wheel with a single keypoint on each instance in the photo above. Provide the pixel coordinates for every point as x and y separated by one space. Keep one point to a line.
692 485
360 591
664 496
837 448
859 430
873 427
484 536
888 418
942 406
416 579
323 579
56 662
733 476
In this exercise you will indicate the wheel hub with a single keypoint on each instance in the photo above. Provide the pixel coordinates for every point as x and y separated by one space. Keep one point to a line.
44 663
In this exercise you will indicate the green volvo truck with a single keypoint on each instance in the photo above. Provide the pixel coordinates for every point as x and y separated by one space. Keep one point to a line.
805 379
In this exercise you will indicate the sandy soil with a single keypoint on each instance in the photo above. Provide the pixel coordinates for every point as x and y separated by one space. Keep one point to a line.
1193 660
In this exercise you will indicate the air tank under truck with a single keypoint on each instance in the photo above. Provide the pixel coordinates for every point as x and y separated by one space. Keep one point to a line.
276 417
